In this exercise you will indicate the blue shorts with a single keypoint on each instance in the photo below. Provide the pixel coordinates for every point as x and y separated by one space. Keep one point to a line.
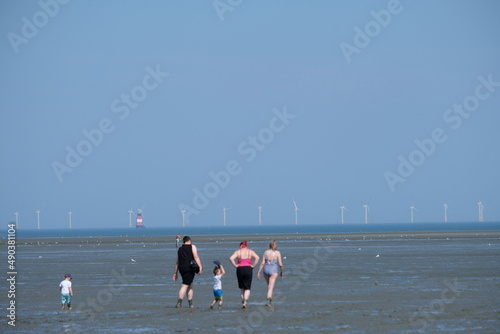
218 294
65 299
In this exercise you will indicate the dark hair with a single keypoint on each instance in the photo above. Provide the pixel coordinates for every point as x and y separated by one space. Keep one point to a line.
185 239
215 269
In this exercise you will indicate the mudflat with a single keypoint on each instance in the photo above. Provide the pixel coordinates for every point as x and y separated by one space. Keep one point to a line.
416 282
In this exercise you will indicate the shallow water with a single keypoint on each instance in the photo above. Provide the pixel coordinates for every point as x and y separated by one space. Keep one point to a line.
415 285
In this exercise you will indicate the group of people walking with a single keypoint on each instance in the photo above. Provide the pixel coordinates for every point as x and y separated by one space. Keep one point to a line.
244 259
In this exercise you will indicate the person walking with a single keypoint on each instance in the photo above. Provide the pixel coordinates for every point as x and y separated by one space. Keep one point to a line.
218 293
188 264
271 260
246 259
66 288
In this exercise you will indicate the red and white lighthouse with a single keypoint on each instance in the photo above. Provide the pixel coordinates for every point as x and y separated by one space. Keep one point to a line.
138 222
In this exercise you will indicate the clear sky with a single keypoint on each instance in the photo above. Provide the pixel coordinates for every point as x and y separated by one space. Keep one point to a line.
108 106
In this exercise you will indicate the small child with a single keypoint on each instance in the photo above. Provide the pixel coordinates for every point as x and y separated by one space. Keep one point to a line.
218 273
66 291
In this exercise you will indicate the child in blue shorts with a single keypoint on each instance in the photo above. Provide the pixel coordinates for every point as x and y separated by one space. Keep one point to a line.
218 273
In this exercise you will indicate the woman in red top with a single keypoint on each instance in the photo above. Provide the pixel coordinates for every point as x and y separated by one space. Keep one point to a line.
247 260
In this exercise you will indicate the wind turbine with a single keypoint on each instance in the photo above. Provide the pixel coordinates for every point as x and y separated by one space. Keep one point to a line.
411 212
342 208
445 212
296 209
367 208
130 213
17 219
260 214
183 211
224 209
38 215
480 207
69 214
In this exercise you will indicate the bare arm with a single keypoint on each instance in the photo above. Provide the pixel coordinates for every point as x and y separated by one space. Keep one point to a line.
280 263
197 259
261 264
70 291
222 271
256 259
232 258
176 269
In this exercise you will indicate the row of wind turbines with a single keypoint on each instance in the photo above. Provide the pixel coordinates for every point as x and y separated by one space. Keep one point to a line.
296 209
412 209
343 208
16 214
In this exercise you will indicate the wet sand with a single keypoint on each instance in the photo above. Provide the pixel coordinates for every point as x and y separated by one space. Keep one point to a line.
414 282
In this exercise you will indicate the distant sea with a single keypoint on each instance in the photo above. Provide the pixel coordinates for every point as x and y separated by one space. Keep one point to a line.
252 230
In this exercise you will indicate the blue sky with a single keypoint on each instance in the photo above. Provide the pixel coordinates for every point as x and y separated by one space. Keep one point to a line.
108 106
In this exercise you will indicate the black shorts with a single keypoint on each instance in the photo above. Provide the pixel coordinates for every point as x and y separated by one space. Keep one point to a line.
244 275
187 276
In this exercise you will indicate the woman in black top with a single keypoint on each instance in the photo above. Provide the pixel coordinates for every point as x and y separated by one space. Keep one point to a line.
185 255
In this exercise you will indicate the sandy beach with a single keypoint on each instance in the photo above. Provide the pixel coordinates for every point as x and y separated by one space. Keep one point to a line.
418 282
